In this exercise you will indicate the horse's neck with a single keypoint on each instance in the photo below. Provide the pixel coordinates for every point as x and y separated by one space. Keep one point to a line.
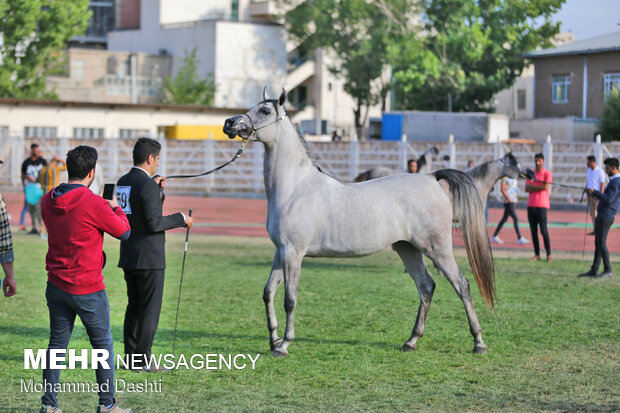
286 163
493 174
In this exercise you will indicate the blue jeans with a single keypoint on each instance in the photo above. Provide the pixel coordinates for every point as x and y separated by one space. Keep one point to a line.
94 311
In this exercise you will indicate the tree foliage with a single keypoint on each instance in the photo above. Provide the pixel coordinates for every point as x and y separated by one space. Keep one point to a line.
610 123
356 33
187 88
468 50
34 34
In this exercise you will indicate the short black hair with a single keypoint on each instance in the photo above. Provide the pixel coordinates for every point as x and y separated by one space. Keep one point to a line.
539 155
410 161
34 145
591 158
612 162
80 161
143 148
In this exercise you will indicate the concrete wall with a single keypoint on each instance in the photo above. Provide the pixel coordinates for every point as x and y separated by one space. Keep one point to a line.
573 66
560 129
506 102
469 127
65 116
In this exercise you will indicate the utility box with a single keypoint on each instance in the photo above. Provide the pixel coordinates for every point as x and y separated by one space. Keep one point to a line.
392 127
193 132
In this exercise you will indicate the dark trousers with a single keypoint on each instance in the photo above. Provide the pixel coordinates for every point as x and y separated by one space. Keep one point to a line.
509 211
145 289
94 311
601 230
538 217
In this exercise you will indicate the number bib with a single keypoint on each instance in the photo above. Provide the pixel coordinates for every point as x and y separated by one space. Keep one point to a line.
122 197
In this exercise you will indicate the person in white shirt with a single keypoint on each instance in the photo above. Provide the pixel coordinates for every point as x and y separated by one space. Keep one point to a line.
595 180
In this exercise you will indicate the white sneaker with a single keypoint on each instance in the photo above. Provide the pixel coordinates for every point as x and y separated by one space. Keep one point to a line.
522 241
497 240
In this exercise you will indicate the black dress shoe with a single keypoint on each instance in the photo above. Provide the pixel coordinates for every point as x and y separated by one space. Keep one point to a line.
605 274
588 274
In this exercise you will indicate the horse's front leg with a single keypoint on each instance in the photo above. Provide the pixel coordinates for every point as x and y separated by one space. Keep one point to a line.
275 278
291 266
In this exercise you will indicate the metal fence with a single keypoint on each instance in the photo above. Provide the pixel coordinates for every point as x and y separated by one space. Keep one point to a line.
344 160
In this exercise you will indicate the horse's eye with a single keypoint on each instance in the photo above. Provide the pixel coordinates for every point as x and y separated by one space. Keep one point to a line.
264 111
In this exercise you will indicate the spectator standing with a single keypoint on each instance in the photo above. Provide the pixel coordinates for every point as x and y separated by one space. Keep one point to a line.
143 255
606 214
6 251
31 168
510 193
595 181
537 205
412 166
76 220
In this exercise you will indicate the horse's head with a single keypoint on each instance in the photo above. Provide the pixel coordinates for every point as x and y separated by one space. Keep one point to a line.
266 113
511 165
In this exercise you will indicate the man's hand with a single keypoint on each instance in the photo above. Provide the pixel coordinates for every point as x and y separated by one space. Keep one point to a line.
161 181
112 202
189 221
590 191
8 285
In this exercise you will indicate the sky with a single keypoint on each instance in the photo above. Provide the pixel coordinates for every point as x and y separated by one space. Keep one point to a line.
589 18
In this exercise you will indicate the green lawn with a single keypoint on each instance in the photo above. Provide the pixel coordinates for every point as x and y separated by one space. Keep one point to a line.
553 345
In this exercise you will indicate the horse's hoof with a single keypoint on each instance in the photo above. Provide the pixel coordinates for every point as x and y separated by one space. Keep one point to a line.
280 353
273 345
408 347
481 349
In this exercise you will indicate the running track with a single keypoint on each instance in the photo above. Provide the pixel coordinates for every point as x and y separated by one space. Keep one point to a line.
246 218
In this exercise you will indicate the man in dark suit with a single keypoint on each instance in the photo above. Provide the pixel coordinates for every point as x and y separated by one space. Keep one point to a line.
142 256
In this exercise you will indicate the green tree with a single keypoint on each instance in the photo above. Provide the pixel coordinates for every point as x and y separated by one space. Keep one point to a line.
610 123
34 34
186 88
356 33
467 50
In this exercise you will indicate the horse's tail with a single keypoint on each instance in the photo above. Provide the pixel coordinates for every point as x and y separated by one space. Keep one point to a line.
468 210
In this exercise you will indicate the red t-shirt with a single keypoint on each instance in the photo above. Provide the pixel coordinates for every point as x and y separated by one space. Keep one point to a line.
540 199
76 219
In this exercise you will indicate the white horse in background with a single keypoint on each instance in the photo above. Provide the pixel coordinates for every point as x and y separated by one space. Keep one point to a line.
312 214
488 173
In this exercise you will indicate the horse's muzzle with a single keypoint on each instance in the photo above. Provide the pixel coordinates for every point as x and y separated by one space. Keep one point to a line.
235 126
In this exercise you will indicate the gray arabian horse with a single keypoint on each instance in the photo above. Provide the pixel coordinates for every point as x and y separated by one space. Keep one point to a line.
487 174
309 213
425 165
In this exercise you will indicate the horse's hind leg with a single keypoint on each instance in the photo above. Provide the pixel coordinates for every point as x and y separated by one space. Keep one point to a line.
291 266
275 278
444 260
414 262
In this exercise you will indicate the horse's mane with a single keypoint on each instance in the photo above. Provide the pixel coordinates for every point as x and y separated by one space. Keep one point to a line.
480 171
310 154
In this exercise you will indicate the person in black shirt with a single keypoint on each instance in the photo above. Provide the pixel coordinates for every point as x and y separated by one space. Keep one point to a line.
31 168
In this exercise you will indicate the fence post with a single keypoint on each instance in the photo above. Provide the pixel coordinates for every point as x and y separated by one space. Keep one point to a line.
548 152
17 153
208 160
354 159
163 160
402 153
114 156
452 151
598 149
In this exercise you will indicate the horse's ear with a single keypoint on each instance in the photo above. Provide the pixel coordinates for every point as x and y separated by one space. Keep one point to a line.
282 98
265 95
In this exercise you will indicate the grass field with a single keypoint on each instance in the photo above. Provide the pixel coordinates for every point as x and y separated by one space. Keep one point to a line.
554 344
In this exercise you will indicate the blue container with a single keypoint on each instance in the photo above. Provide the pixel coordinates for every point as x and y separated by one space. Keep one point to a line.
391 127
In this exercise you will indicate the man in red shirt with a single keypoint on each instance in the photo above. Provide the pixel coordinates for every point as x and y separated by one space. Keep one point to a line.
76 220
537 205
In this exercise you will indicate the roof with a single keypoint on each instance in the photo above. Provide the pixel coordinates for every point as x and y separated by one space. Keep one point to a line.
605 43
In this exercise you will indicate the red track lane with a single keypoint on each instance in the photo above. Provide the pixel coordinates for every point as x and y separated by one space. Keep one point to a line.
246 218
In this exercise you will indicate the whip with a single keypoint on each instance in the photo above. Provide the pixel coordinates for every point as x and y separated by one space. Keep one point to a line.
174 341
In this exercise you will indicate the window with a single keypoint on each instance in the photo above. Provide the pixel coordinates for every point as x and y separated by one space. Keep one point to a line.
234 12
520 99
133 133
79 133
40 132
612 82
560 89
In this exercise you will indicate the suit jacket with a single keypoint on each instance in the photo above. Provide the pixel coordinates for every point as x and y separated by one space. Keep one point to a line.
141 199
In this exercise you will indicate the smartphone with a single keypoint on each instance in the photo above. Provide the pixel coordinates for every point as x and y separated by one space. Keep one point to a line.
108 191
